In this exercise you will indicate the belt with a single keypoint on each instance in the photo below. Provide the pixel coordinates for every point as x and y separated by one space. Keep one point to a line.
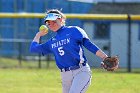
73 67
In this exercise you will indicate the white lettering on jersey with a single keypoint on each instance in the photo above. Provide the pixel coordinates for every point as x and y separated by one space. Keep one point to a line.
61 42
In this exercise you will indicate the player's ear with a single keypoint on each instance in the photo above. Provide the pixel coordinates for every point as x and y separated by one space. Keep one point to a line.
62 21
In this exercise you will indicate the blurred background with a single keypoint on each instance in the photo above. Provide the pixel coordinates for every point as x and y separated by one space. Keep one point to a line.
119 35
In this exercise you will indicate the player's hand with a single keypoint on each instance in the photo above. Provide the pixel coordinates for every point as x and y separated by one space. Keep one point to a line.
42 33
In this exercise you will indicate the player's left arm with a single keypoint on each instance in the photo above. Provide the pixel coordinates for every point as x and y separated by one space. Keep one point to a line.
89 45
93 48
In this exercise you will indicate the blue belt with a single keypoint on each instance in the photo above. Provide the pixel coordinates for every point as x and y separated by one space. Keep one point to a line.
73 67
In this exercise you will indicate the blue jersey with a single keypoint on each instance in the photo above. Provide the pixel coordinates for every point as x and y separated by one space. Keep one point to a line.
67 46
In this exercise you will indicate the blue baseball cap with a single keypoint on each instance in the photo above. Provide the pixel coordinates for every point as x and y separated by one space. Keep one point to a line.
52 16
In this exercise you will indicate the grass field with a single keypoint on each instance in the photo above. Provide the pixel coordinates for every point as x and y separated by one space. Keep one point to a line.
48 80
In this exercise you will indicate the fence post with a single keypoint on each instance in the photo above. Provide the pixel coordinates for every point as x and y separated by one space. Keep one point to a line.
20 54
129 43
39 61
48 61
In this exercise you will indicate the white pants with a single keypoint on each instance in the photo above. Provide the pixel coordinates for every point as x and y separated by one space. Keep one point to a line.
76 81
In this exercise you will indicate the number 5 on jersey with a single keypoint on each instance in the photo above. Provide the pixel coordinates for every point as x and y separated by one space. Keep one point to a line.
61 51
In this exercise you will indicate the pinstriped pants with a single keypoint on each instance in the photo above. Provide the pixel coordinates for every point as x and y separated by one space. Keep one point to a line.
76 81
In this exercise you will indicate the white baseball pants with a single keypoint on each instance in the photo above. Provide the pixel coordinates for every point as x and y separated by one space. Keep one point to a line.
76 81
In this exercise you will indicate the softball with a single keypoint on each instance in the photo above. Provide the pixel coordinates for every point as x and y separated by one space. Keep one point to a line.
43 28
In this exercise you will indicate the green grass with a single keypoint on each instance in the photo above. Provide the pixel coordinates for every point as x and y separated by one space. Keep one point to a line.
105 82
29 81
48 80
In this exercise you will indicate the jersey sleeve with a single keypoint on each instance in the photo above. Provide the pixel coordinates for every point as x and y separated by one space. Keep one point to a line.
90 46
85 41
40 48
81 33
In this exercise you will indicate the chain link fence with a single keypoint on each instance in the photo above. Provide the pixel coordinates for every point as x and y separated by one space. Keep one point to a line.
16 53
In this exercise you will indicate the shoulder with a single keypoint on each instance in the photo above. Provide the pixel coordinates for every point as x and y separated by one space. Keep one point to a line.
75 28
81 31
77 31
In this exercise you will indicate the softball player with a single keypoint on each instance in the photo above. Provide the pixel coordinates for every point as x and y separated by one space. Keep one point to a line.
67 47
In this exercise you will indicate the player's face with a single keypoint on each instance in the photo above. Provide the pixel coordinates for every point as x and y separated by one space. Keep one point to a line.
54 25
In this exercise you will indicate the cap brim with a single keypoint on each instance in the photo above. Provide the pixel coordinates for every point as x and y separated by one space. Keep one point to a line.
51 16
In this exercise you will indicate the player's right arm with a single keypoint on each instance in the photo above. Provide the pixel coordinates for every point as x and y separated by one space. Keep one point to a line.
39 48
38 35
